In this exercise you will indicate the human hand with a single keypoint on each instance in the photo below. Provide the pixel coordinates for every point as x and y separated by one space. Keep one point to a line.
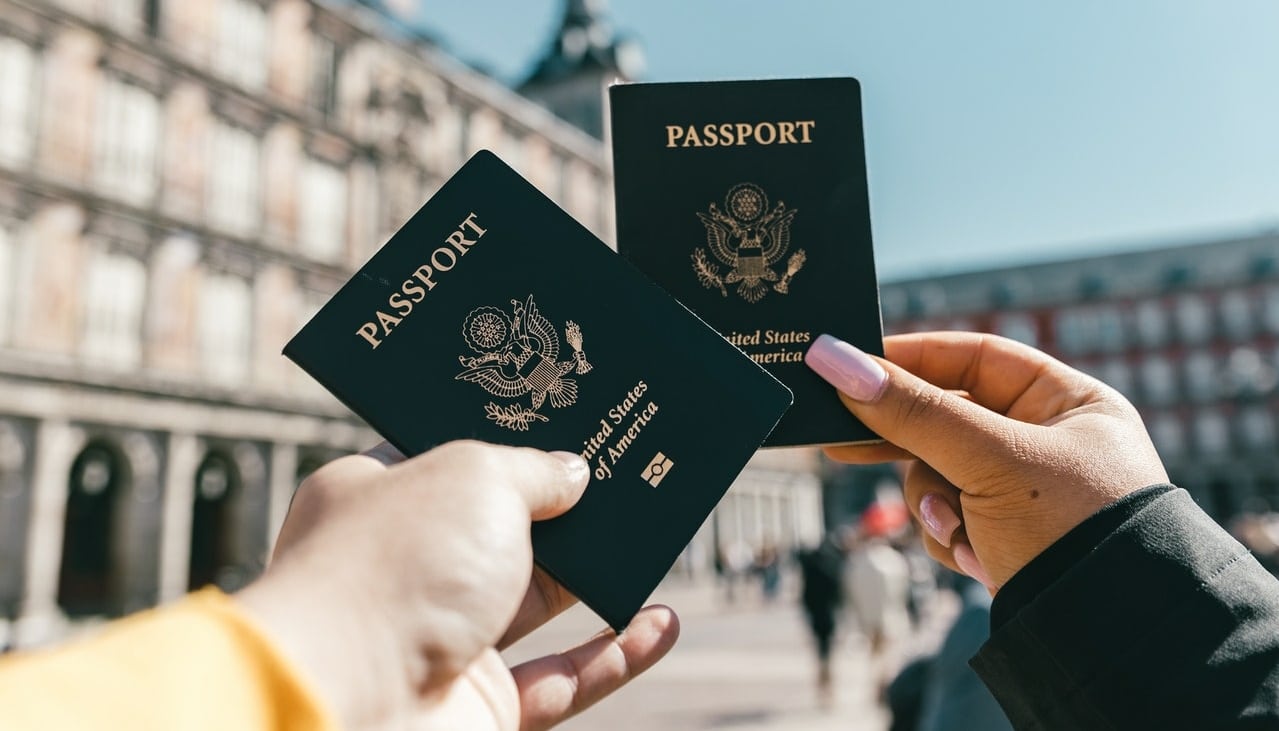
1010 447
394 587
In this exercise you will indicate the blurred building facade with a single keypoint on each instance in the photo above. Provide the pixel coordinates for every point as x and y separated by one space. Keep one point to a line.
572 76
1189 334
182 184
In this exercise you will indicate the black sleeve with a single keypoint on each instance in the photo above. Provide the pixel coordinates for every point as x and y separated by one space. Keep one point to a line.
1146 616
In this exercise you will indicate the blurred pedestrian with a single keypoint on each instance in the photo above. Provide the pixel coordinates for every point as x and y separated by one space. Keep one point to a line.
738 559
954 698
941 692
768 567
821 595
879 576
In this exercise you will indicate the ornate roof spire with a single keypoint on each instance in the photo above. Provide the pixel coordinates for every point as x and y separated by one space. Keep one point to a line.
585 52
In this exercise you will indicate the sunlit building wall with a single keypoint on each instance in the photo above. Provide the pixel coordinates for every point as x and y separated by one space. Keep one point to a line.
1189 334
182 184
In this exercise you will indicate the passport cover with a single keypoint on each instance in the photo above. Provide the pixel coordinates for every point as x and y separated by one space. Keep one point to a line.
747 201
493 315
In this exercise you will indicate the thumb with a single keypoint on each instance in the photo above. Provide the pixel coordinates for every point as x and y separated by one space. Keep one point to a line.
549 482
960 439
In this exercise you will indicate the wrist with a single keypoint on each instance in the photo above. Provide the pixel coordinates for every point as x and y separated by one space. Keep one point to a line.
318 624
1060 556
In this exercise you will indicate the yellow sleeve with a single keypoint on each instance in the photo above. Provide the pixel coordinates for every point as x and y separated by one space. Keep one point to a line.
195 665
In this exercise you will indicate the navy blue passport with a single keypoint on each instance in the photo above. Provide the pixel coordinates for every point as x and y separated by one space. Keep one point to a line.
747 201
493 315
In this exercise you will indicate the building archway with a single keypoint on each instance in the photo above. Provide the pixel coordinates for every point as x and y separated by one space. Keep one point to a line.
89 579
217 485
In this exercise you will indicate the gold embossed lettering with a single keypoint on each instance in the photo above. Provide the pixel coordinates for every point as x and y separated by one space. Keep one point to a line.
469 222
787 132
439 264
765 127
401 305
423 275
711 134
388 322
368 331
413 290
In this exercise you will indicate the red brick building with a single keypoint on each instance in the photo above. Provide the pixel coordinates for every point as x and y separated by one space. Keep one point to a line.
1189 334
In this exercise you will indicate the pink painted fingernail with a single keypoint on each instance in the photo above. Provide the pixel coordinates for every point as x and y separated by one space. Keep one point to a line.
847 368
938 517
577 467
969 564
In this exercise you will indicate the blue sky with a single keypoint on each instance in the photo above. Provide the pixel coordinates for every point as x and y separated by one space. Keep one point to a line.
998 131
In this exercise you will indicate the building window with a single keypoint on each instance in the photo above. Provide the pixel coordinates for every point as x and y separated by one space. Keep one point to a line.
1152 324
483 131
125 15
464 134
1194 320
114 299
512 150
1118 376
1248 375
323 92
1077 331
234 198
1110 329
128 127
240 52
1212 433
1270 309
1257 428
441 147
1020 327
1203 377
1236 315
1158 380
226 327
17 101
1168 435
324 207
8 265
559 178
308 305
151 17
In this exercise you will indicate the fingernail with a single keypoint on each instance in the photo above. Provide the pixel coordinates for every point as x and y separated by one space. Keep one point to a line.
847 368
573 462
969 564
938 517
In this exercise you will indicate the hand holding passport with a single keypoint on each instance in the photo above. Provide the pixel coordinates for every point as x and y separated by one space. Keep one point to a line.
392 592
493 316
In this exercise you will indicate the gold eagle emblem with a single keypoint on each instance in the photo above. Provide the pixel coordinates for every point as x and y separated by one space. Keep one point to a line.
750 239
516 355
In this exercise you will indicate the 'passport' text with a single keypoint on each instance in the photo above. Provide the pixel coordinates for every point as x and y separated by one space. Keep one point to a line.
414 289
729 134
